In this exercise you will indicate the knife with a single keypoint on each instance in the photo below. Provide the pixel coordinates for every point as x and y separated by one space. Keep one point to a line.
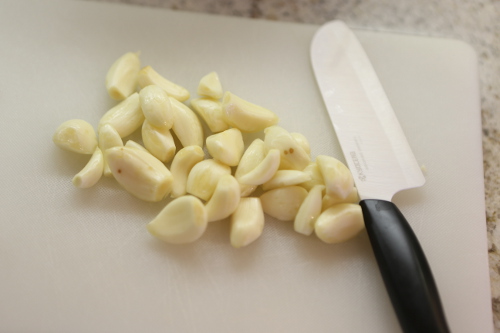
382 163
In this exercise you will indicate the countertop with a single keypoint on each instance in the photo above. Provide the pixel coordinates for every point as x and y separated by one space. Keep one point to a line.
476 22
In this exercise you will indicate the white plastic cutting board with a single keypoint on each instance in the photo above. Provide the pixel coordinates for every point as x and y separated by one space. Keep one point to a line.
82 261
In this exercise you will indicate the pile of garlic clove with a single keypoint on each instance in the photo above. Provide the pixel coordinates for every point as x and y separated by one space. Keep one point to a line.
274 175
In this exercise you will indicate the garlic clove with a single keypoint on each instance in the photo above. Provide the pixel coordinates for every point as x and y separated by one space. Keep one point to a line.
210 86
183 162
126 117
135 145
183 220
284 178
302 142
245 116
309 211
92 171
315 176
224 200
158 141
283 203
252 156
246 190
139 172
76 135
293 157
247 222
121 79
264 171
156 106
337 177
226 147
211 112
187 127
204 176
148 76
108 138
339 223
329 200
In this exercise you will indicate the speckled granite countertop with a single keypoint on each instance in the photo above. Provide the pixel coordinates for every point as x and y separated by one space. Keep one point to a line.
476 22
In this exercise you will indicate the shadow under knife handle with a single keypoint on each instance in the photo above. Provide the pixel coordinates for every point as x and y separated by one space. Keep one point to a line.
404 268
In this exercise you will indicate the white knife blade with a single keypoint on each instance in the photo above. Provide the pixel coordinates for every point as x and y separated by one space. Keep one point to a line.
374 145
382 163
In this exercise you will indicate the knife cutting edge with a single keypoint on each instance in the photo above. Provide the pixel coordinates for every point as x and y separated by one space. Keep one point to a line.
382 163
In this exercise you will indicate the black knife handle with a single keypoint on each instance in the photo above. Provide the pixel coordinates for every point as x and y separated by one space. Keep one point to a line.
404 268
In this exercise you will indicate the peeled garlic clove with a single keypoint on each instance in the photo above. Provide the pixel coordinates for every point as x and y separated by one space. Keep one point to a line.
292 155
210 86
253 155
225 199
183 220
283 203
204 176
302 142
339 223
108 138
76 135
264 171
156 106
92 171
135 145
148 76
329 200
315 176
139 172
246 190
211 112
337 177
246 116
309 211
285 178
121 79
247 222
158 141
183 162
125 117
187 127
226 147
